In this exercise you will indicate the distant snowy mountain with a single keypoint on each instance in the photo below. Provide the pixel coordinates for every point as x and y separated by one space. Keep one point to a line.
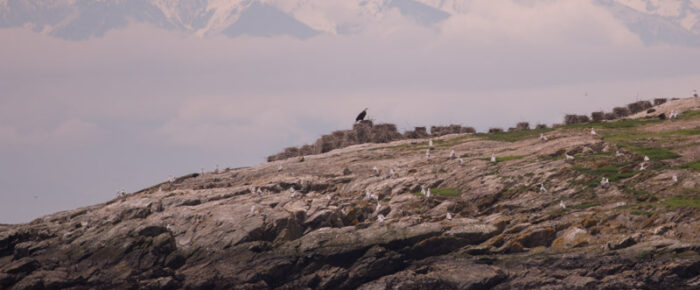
659 21
655 21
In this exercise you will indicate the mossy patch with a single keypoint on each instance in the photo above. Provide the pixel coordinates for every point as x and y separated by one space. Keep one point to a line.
657 153
629 123
695 165
584 205
680 201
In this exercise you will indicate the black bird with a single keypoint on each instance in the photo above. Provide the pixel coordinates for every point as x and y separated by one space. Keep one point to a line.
361 116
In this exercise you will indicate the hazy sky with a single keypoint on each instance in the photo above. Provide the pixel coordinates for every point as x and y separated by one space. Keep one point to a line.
81 119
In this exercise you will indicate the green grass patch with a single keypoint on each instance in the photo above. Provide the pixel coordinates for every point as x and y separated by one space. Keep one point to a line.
612 172
630 123
514 136
584 205
679 201
636 211
695 165
657 153
690 115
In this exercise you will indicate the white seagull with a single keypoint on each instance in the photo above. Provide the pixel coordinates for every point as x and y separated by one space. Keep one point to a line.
449 216
461 162
604 182
428 194
392 173
568 157
427 153
542 189
422 190
593 132
430 143
379 206
293 192
280 168
493 157
252 210
376 170
561 204
381 218
452 154
675 178
646 158
642 167
543 138
619 154
171 179
260 192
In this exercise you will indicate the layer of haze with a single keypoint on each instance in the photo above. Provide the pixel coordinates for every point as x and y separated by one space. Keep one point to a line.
81 120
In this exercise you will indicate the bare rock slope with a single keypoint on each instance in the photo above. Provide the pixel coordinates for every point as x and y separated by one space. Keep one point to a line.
532 219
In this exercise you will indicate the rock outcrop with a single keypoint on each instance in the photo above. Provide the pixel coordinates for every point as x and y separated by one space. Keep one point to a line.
532 219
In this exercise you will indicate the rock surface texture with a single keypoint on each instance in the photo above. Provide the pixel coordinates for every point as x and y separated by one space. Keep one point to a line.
330 221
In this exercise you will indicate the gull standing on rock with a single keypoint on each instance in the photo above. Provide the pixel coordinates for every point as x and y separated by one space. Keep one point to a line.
428 194
562 205
493 157
260 192
381 218
542 189
379 207
619 154
392 173
427 153
646 158
293 192
568 157
642 167
422 190
430 143
543 138
376 170
280 168
171 179
593 132
449 216
604 182
452 154
674 178
252 210
461 162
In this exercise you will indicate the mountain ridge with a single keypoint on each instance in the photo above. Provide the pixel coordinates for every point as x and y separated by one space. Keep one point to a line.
81 20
